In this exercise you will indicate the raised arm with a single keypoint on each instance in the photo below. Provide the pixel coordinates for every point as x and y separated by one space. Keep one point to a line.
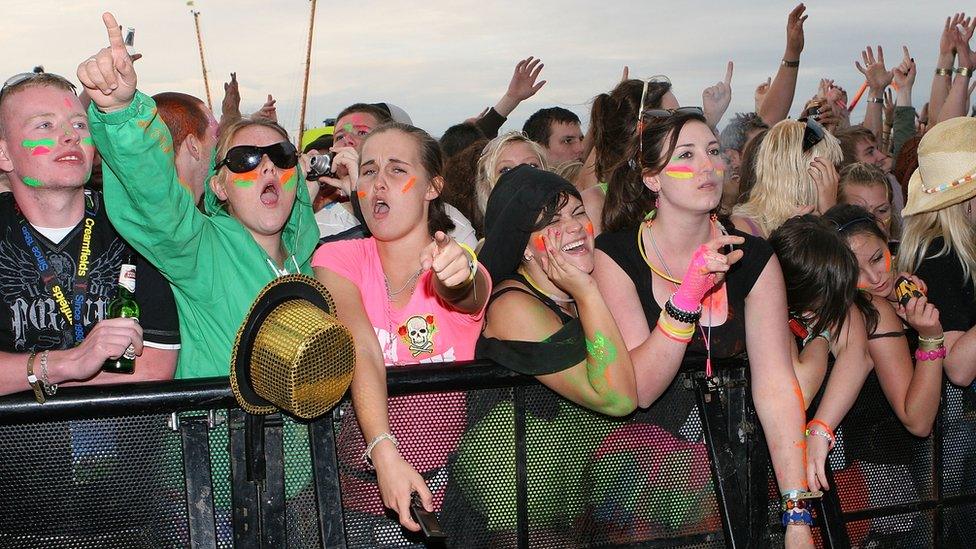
944 63
904 123
957 101
878 78
145 200
779 97
522 86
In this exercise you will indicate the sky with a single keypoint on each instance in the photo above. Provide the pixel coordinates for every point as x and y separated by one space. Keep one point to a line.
445 61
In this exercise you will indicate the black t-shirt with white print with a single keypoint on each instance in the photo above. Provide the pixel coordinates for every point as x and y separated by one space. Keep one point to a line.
30 318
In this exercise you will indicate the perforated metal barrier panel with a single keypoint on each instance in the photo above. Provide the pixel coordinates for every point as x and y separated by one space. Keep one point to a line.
514 466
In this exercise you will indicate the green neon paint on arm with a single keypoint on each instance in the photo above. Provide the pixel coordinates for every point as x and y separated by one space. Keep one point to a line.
33 143
31 182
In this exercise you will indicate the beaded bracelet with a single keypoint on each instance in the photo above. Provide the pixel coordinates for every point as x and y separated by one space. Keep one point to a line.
679 315
924 355
825 431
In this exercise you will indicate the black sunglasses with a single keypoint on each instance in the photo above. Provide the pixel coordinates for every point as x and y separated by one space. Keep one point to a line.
244 158
812 134
665 113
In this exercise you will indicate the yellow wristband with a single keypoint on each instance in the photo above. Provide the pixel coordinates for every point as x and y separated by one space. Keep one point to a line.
472 261
671 329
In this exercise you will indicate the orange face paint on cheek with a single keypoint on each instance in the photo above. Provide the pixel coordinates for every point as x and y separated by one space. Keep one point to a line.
408 185
540 244
887 256
361 194
288 179
589 228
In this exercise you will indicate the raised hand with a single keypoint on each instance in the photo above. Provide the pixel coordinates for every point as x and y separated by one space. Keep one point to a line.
794 32
230 107
903 76
447 259
761 91
268 110
523 84
889 107
947 42
874 69
716 99
108 76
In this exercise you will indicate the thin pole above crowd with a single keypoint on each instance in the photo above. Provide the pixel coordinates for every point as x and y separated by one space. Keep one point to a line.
613 263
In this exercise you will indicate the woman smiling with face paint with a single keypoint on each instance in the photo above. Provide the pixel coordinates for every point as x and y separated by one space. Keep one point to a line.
724 303
423 296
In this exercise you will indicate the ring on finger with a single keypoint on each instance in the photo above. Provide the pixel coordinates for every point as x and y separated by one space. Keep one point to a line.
130 352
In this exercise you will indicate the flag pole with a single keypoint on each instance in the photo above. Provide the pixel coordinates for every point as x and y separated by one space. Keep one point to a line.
308 64
203 64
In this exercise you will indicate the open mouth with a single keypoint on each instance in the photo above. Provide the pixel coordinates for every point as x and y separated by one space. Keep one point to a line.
575 247
70 158
269 195
380 208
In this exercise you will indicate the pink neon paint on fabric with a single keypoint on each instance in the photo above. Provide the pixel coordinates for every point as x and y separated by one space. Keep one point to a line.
408 185
679 172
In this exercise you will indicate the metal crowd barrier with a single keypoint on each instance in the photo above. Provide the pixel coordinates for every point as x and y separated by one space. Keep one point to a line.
178 464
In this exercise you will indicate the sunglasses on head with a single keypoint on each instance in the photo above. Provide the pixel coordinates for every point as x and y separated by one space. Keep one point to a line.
813 133
659 113
25 76
244 158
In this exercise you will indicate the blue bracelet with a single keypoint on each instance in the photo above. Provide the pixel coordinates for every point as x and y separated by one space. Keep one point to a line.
797 516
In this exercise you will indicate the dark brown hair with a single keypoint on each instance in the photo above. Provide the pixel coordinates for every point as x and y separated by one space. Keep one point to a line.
460 191
631 200
431 159
613 121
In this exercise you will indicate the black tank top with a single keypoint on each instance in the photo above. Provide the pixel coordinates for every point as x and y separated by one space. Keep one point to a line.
561 350
727 340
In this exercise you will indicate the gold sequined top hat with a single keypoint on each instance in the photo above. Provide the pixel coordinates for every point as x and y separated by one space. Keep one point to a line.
946 173
291 353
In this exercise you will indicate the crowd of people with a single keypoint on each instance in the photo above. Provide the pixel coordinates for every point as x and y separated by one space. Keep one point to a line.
597 261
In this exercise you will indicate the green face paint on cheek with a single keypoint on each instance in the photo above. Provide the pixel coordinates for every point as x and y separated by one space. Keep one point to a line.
31 182
87 141
38 147
246 179
289 179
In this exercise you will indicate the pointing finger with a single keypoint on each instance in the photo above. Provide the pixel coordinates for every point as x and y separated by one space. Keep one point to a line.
728 74
114 31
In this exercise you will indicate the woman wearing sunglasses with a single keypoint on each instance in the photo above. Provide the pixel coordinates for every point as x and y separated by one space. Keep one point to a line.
680 284
258 223
795 175
423 296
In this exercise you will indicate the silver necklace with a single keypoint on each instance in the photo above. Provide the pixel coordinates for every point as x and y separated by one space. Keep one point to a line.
391 337
413 278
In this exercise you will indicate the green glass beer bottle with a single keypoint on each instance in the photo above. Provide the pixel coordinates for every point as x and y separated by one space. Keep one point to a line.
124 306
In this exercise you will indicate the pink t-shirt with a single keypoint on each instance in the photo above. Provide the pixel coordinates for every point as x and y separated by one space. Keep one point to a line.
425 330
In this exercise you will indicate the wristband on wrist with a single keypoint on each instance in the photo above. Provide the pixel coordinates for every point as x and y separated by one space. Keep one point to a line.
368 454
791 64
49 388
798 517
816 427
680 315
922 355
879 100
472 262
32 379
941 71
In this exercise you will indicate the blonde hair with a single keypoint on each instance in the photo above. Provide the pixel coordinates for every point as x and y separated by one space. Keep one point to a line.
957 232
783 182
569 170
867 175
487 174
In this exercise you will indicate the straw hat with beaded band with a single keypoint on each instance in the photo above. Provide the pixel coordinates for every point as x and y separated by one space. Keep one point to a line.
290 353
946 173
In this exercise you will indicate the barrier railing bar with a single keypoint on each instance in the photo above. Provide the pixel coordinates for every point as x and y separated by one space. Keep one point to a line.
713 434
195 439
325 473
521 475
274 532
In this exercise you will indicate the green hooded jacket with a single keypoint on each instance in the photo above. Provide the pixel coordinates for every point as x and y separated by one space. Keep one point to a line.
215 267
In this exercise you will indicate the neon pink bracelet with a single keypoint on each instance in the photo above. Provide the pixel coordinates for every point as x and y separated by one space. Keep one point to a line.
921 355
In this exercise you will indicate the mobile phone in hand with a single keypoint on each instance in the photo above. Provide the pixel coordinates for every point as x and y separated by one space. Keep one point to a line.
427 520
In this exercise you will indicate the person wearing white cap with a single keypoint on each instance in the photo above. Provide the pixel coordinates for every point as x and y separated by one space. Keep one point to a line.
939 240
